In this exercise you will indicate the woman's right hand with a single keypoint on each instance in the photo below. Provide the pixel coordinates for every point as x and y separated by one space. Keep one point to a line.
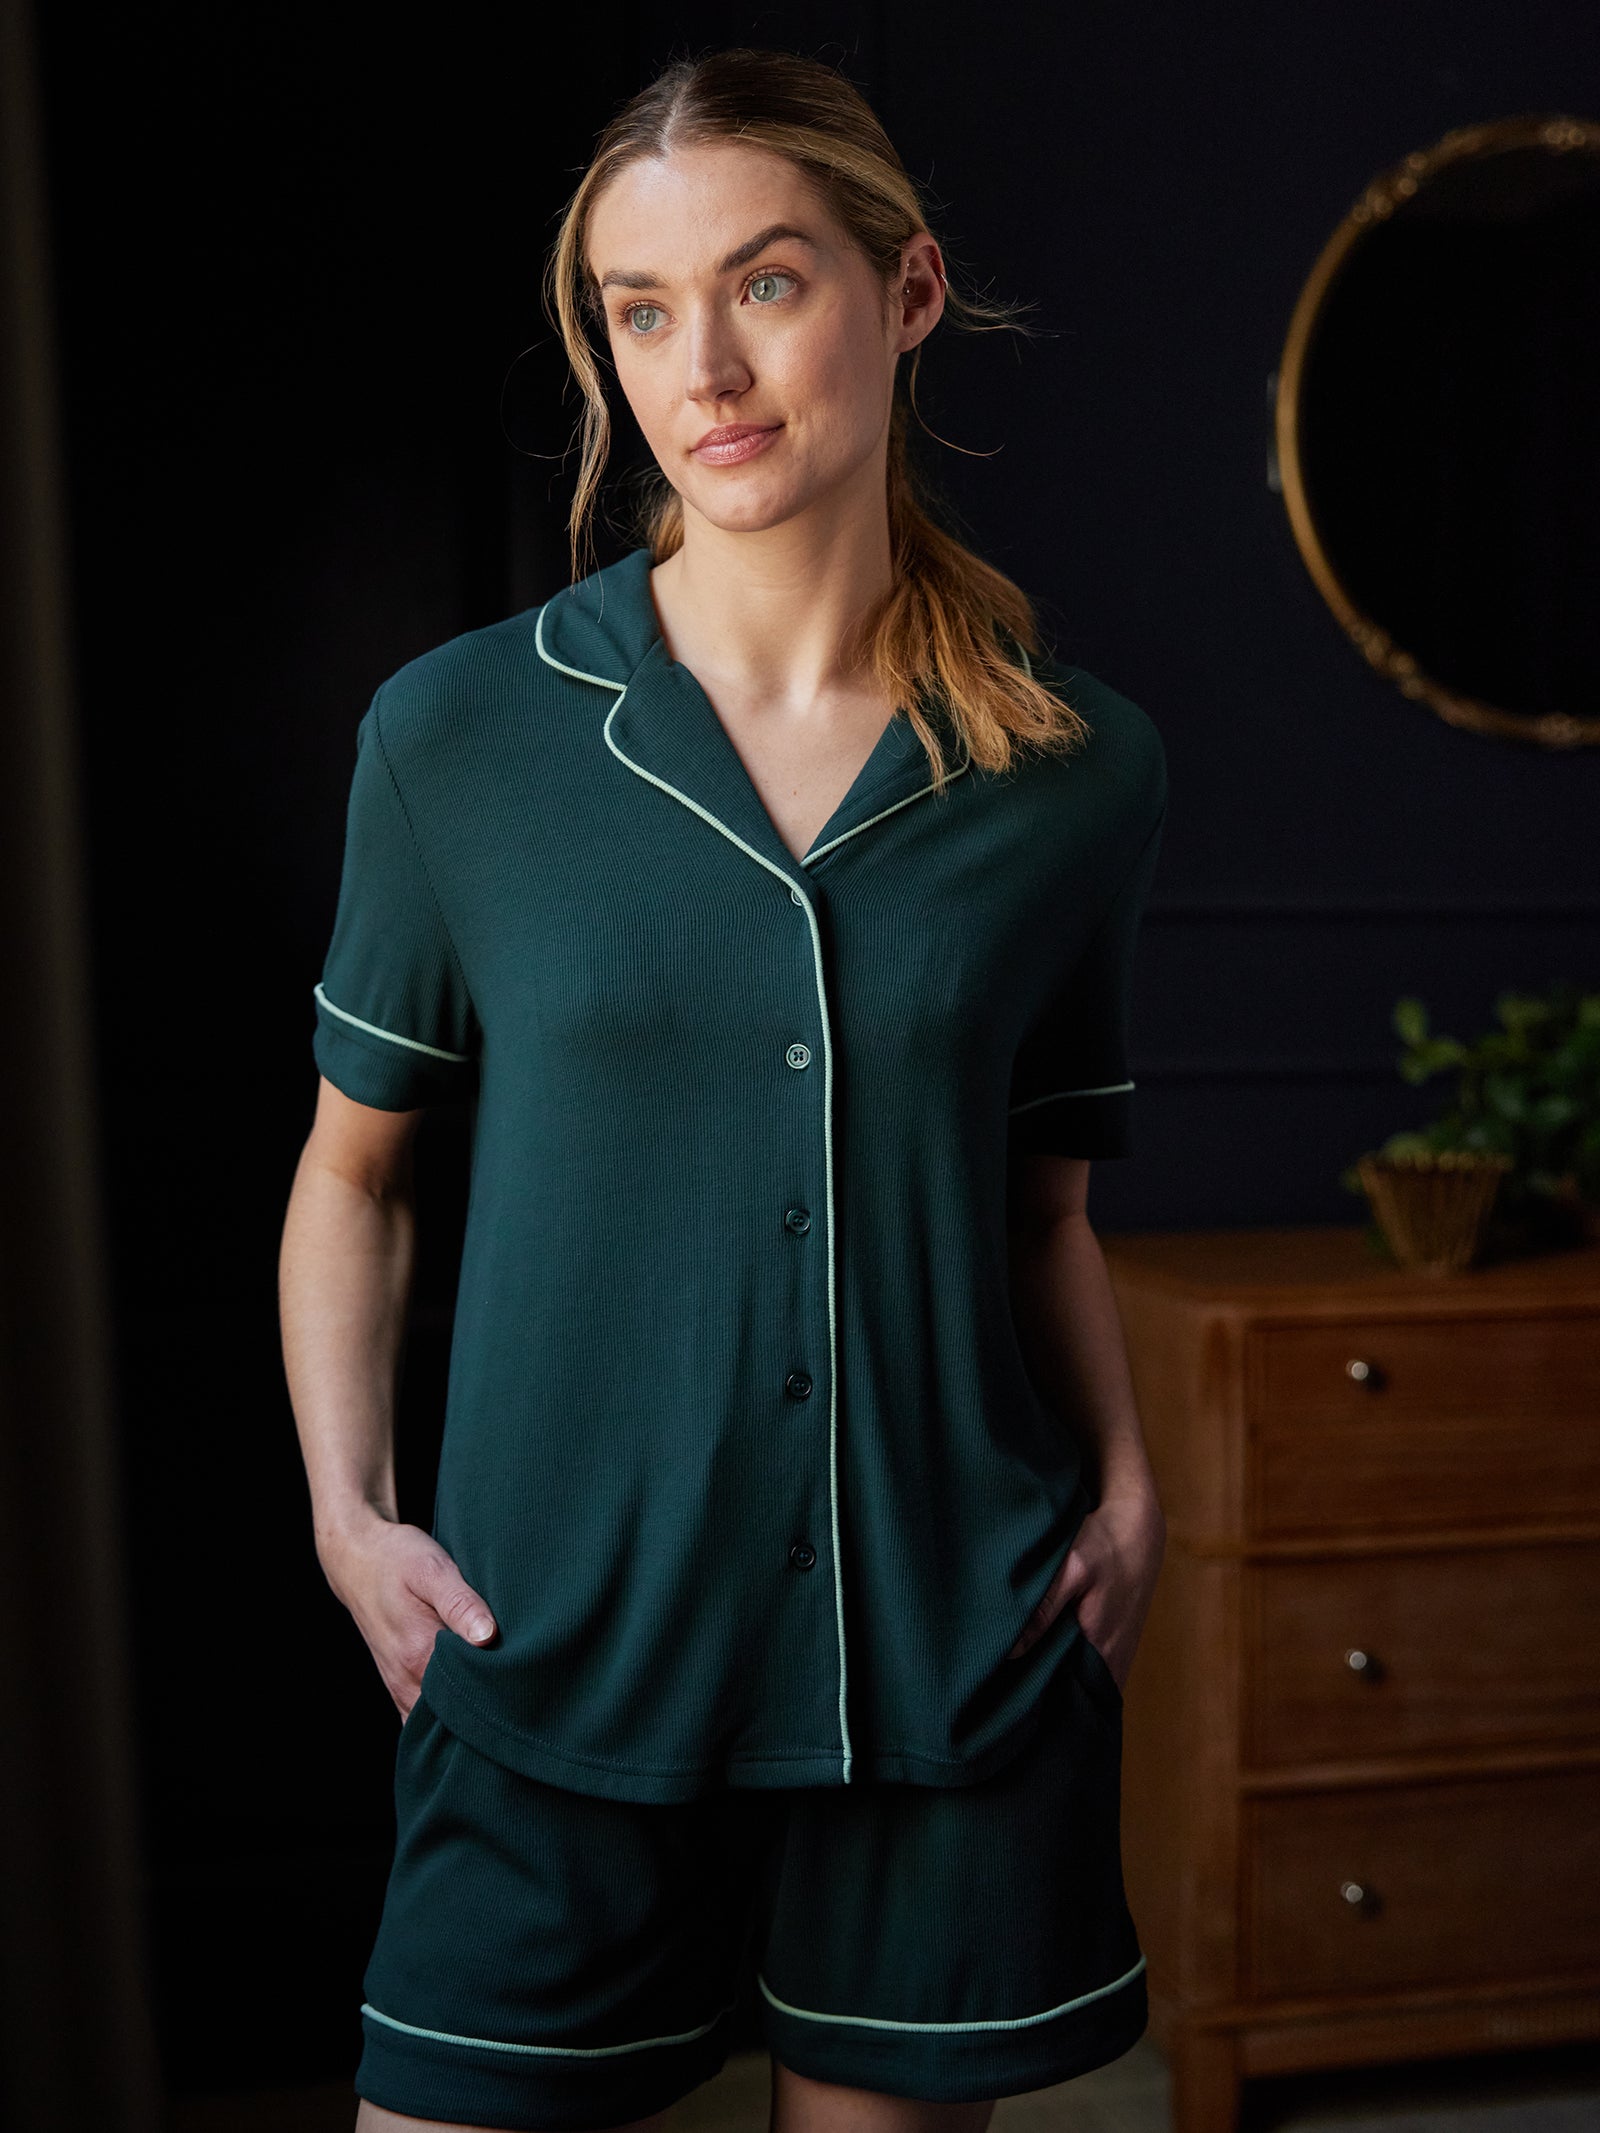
401 1586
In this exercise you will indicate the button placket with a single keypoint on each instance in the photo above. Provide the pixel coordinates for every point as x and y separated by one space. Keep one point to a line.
799 1385
798 1056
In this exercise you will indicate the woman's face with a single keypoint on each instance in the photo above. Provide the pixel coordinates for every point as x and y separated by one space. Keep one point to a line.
735 302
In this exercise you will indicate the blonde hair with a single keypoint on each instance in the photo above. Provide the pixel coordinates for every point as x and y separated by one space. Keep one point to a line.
937 631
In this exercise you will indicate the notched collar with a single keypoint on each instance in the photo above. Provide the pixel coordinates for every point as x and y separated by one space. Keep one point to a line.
663 726
600 628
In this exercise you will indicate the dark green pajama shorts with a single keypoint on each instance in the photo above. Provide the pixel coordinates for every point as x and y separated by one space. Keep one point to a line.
552 1959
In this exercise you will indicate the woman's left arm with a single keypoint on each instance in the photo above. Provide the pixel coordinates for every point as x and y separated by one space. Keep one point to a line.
1072 1339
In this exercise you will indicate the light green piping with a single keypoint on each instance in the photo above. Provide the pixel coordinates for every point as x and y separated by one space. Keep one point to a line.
1109 1088
817 850
944 2028
412 1044
827 1142
577 673
560 2051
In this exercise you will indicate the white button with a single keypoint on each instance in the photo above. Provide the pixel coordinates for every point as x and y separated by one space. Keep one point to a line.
798 1055
795 897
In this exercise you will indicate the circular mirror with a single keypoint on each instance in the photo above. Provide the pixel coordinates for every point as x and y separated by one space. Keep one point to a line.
1438 427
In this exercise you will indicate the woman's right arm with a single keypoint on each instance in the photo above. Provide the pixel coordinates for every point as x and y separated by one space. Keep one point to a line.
344 1281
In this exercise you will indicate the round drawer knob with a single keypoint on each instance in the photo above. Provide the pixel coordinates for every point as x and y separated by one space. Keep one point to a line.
1358 1895
1360 1371
1360 1662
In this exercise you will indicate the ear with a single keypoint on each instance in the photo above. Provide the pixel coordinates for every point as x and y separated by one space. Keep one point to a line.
919 290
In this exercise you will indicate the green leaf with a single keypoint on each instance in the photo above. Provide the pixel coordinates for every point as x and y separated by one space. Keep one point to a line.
1522 1012
1505 1097
1409 1142
1411 1020
1433 1055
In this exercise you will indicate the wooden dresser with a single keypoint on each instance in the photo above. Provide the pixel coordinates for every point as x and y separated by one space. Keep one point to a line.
1362 1729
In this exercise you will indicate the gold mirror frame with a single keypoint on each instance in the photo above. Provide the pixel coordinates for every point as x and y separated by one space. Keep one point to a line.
1557 729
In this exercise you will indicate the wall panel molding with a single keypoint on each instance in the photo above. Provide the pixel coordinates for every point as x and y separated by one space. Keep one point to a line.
1358 910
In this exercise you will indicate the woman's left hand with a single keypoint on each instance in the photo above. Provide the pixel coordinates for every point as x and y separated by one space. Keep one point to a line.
1109 1574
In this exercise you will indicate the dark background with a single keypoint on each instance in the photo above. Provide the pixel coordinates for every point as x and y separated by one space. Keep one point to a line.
296 254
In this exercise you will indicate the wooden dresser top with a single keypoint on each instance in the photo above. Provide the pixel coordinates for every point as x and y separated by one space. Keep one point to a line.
1263 1270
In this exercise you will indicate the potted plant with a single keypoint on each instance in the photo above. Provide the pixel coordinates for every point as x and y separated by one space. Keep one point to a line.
1522 1133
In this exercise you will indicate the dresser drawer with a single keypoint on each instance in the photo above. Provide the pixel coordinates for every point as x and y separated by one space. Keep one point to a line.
1374 1425
1476 1647
1472 1882
1439 1371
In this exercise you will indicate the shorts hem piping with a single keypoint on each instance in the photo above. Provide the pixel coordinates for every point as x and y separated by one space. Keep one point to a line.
556 2051
1050 2014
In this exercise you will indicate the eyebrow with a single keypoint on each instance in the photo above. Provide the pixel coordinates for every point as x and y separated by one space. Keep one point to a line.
625 278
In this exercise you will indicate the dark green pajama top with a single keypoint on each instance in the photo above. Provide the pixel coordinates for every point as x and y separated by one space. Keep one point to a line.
739 1443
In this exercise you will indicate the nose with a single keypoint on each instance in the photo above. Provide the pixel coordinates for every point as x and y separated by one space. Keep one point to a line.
715 364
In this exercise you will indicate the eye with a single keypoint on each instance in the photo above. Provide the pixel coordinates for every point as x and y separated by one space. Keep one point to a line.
771 287
759 282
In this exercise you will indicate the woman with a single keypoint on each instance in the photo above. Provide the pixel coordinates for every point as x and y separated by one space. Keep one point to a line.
773 896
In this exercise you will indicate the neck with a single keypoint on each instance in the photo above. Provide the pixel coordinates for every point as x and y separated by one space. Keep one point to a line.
766 613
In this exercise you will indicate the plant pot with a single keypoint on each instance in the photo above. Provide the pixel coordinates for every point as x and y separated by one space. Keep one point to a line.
1433 1208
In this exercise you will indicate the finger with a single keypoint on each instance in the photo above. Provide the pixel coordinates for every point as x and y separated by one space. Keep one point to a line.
465 1613
455 1603
1032 1630
1067 1590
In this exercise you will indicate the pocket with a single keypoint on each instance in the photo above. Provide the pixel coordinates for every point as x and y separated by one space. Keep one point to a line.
1096 1674
422 1685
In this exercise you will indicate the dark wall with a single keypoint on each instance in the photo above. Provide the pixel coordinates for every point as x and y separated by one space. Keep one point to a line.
297 253
1168 179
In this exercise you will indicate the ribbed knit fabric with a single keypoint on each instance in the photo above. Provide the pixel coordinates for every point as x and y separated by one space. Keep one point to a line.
740 1446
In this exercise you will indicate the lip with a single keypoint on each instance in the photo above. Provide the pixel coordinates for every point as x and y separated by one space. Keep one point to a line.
735 442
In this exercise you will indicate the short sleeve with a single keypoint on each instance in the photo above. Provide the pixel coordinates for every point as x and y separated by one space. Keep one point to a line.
1071 1091
396 1026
